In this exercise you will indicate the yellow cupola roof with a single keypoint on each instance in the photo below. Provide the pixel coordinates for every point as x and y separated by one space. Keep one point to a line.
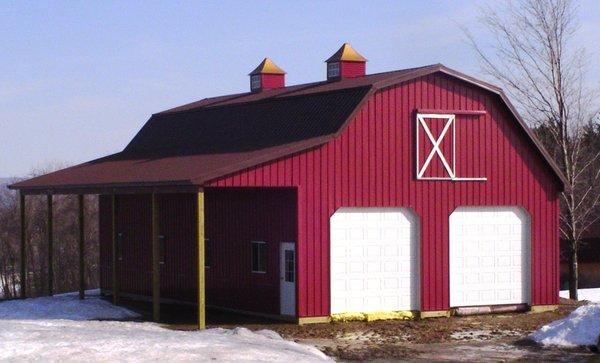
346 53
267 66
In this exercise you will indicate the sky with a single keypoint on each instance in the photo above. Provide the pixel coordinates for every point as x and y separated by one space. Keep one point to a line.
79 79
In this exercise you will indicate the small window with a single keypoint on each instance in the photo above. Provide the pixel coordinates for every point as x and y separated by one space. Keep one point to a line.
259 257
333 70
207 253
255 81
290 266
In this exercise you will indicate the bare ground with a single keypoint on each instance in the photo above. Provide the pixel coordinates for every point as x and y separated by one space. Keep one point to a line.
479 338
498 337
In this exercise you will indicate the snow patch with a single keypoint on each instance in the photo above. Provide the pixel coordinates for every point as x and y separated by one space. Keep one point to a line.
584 294
581 327
65 306
63 328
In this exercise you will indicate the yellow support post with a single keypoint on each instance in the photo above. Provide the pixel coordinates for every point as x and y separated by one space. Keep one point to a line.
201 271
155 262
50 237
115 280
81 203
23 278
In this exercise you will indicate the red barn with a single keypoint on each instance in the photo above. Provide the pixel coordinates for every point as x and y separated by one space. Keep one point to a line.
415 190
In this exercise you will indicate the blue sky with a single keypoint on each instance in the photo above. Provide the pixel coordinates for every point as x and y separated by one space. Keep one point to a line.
79 79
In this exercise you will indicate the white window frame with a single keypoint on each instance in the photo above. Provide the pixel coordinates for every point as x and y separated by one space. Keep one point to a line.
255 81
251 257
333 69
449 166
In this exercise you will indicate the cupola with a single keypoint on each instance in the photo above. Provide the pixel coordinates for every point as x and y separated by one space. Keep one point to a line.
266 76
345 63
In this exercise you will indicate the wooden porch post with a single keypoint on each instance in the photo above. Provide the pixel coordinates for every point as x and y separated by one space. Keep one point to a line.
201 271
81 203
23 278
115 280
155 262
50 237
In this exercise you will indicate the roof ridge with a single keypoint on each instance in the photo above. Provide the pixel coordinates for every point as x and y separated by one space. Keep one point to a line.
278 92
266 99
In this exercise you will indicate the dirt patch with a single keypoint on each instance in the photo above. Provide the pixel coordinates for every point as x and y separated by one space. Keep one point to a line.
494 327
496 337
492 336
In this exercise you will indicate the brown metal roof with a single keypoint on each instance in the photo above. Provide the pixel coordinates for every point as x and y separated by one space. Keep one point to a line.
186 146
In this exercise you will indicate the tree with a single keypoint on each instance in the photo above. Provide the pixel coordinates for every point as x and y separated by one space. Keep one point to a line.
535 58
66 252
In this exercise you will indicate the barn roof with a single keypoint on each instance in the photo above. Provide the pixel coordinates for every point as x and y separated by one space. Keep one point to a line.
189 145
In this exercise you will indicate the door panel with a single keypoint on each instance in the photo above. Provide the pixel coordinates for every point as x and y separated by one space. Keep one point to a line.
489 256
374 260
287 278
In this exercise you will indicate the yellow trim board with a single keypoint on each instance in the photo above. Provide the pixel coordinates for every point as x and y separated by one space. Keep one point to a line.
314 320
543 308
435 314
372 316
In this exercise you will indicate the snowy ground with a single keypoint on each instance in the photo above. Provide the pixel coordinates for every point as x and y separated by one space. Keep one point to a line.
62 328
584 294
581 327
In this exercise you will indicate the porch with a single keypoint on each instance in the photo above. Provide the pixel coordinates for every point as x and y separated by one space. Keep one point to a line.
168 251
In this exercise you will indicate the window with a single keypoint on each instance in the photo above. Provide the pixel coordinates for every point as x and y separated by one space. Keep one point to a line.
259 257
290 268
255 81
207 253
333 70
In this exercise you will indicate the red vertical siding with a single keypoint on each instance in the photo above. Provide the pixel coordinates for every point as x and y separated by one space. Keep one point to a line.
105 240
372 164
234 218
271 81
352 69
178 225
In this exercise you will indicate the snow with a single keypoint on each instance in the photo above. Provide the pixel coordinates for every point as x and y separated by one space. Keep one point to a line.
64 306
62 328
584 294
581 327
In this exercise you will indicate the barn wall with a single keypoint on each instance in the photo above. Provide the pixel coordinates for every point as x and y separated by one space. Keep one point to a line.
104 238
233 219
372 164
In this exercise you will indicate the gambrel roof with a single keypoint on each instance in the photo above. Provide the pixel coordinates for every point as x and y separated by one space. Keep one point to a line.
189 145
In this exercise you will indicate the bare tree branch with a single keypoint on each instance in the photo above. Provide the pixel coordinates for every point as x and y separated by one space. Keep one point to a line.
534 57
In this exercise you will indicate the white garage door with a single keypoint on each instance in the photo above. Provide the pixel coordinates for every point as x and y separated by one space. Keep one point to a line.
489 256
374 260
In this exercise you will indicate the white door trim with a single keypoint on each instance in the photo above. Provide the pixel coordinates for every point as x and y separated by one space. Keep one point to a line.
287 288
